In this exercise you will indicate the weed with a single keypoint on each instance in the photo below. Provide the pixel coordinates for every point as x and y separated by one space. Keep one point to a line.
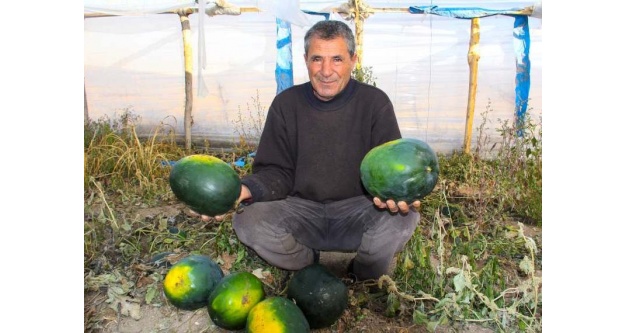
364 74
249 129
463 254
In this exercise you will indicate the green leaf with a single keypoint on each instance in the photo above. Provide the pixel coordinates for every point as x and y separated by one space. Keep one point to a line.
392 305
419 318
459 282
150 294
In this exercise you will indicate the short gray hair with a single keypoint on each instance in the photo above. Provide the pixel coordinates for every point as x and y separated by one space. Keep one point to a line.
330 29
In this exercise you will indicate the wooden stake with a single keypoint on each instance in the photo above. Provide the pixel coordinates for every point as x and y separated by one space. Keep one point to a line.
188 78
473 58
358 23
84 89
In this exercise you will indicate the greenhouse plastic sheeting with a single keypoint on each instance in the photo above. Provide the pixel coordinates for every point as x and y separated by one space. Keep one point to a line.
135 63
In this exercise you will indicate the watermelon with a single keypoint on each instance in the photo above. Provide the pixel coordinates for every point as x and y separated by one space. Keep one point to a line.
205 183
402 170
233 298
321 295
190 281
276 315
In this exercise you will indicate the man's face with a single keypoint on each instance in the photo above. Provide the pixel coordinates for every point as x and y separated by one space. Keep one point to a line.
329 66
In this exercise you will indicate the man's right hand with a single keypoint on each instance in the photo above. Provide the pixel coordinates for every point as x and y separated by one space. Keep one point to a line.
245 194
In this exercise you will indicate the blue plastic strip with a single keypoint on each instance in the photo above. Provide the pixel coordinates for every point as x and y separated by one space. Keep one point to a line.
521 45
284 59
460 12
326 15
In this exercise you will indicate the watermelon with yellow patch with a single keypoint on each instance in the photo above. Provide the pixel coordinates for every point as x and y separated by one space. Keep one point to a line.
402 170
233 298
205 183
276 315
189 282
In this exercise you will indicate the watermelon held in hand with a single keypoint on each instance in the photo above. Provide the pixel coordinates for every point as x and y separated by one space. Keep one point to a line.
402 170
232 299
205 183
189 282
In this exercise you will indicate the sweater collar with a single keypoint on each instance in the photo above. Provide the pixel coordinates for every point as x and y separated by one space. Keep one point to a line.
334 104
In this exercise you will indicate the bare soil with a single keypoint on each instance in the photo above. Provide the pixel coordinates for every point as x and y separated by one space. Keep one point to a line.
133 316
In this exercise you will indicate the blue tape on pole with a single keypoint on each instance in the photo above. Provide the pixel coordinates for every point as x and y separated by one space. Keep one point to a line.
284 59
521 45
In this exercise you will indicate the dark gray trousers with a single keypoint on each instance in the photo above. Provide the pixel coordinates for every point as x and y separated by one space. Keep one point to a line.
284 232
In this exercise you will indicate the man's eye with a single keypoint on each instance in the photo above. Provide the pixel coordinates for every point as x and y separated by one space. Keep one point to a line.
338 60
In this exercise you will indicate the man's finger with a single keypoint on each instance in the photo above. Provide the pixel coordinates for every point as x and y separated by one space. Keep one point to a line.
378 203
403 206
391 205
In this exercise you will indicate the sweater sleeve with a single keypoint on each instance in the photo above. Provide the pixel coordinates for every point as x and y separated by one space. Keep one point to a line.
273 167
384 126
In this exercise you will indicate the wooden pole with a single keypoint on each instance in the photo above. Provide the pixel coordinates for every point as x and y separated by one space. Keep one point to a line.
473 58
188 78
84 89
358 23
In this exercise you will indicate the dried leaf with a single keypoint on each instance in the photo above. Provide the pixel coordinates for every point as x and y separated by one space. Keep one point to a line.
227 261
259 273
127 307
132 310
144 281
526 265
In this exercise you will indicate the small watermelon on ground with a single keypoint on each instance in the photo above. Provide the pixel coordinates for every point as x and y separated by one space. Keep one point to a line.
233 298
402 170
205 183
189 282
276 315
320 294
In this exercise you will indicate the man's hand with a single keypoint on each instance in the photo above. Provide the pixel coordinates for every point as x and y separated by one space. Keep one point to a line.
245 194
395 207
206 218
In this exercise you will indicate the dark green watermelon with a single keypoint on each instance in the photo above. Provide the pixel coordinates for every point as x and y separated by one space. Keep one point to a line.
320 294
401 170
205 183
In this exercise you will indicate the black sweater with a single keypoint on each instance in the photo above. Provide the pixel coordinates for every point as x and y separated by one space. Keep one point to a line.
313 149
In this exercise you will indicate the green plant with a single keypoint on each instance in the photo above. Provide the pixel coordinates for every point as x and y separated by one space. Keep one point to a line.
515 166
364 75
